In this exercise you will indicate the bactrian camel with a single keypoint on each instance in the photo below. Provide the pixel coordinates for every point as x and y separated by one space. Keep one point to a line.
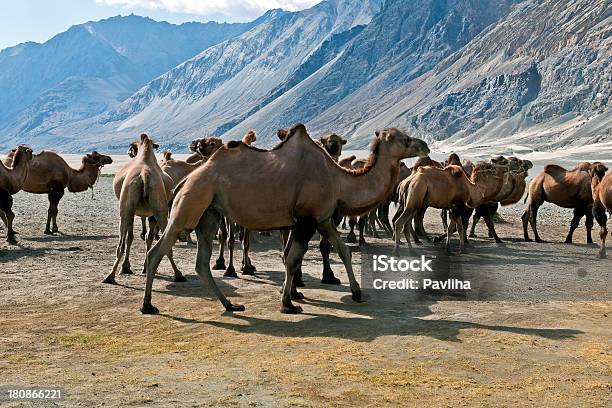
309 188
143 190
12 179
50 174
601 185
565 188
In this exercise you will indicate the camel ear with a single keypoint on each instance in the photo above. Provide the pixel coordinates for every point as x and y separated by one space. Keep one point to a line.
322 140
143 137
282 133
377 133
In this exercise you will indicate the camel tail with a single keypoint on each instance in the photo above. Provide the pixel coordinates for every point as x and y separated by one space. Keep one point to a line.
145 184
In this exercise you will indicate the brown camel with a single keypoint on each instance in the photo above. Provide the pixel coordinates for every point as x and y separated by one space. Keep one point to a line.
332 143
309 188
511 193
12 179
448 188
565 188
203 148
601 185
50 174
143 190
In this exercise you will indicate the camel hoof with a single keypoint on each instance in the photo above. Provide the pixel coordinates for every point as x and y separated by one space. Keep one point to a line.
499 241
540 241
528 240
291 309
234 308
180 278
248 270
356 296
330 280
11 240
568 241
362 242
219 265
295 295
472 235
149 309
126 271
602 256
109 280
351 238
230 272
48 232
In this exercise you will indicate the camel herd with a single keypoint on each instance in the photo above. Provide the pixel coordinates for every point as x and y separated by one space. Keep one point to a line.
300 187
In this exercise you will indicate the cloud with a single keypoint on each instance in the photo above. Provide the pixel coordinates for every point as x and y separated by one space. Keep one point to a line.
233 9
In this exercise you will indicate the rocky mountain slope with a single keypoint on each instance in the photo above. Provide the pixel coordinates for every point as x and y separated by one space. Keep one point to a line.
500 75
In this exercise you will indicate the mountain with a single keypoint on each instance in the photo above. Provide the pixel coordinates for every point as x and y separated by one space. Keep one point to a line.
222 86
500 76
91 67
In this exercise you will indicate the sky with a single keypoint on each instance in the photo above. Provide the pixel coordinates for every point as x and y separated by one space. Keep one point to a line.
39 20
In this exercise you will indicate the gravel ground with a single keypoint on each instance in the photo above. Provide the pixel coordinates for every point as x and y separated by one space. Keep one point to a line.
61 327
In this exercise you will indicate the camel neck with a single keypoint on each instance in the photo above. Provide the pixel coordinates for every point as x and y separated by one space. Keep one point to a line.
19 171
362 192
83 178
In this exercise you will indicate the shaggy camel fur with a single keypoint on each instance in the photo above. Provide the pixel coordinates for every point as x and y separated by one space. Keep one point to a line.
50 174
310 188
143 190
601 185
565 188
12 179
448 188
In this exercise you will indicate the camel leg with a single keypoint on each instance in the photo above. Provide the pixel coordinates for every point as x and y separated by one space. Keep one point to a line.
54 196
525 219
343 223
487 215
302 232
247 266
143 230
351 238
126 268
3 218
127 225
371 219
362 223
328 230
599 213
286 237
461 232
151 233
474 223
578 214
589 224
157 224
533 220
444 217
220 263
6 205
399 225
449 231
230 272
328 274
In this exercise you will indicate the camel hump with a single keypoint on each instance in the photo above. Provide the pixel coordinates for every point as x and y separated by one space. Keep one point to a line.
233 144
554 169
454 170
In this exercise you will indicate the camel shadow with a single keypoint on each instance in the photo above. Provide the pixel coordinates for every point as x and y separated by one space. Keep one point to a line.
13 254
68 238
373 322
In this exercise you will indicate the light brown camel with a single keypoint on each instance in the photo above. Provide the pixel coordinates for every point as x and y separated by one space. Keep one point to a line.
448 188
309 188
50 174
143 190
203 148
333 144
565 188
601 185
511 193
12 179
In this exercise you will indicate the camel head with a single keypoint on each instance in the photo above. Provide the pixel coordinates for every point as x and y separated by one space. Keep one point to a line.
597 169
453 159
133 149
96 159
249 138
398 144
206 146
499 160
21 151
333 144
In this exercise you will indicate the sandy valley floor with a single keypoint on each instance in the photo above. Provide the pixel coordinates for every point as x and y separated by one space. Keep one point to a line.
61 327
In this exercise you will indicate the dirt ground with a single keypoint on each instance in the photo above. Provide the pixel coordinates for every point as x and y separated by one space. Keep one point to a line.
61 327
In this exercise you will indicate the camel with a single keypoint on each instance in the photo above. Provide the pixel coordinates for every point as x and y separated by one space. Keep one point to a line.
309 188
203 148
448 188
12 179
332 143
565 188
511 193
144 190
50 174
601 186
